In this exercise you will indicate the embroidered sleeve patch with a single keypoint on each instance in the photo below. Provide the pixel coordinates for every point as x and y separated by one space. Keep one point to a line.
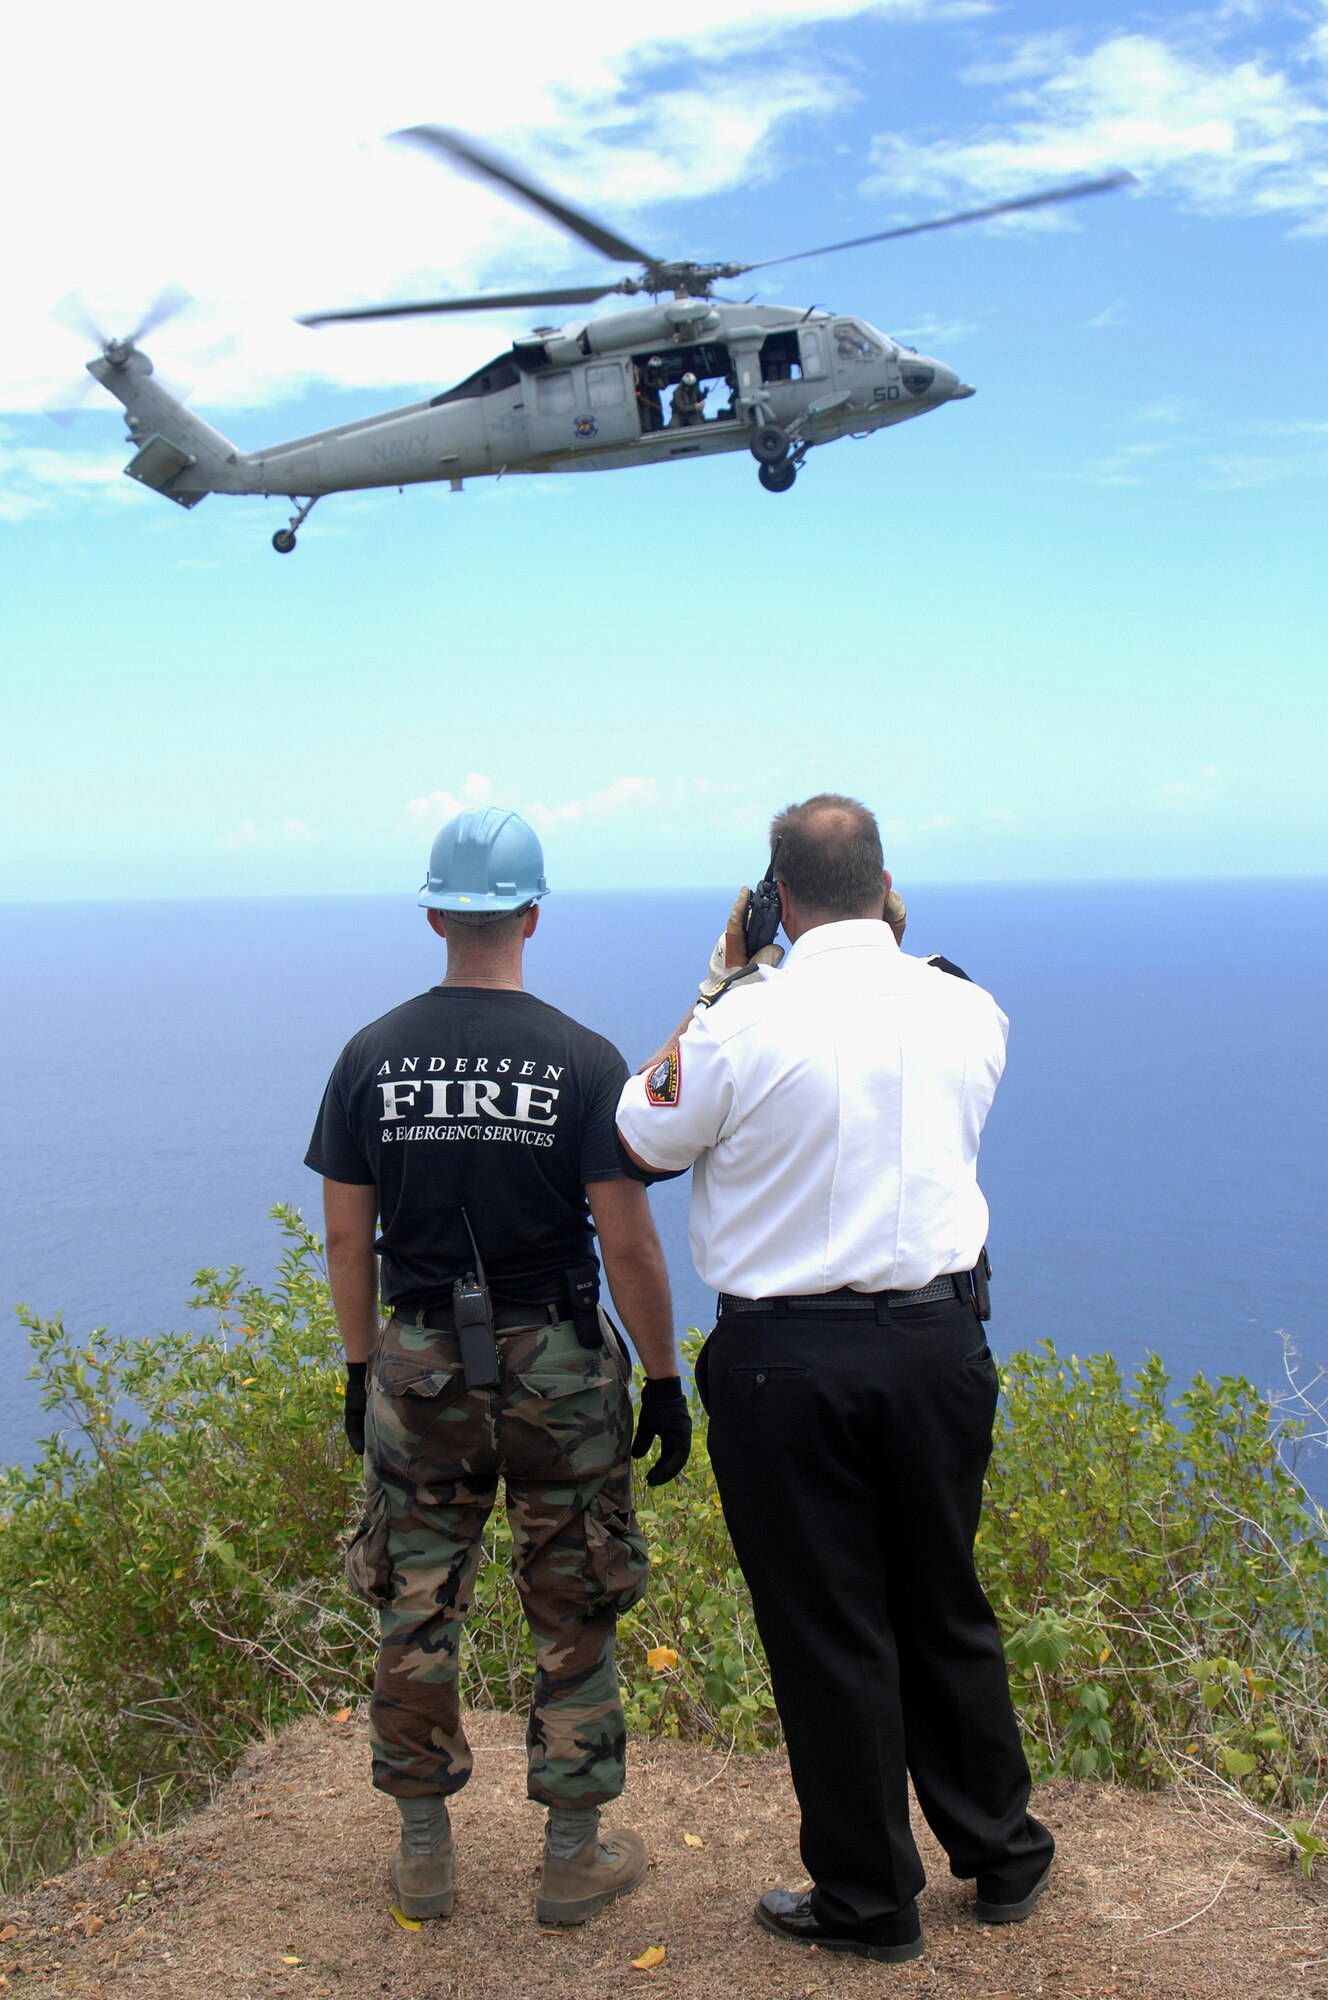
664 1083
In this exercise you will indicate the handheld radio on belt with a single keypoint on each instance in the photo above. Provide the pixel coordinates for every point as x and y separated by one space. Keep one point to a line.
582 1281
472 1312
979 1285
763 918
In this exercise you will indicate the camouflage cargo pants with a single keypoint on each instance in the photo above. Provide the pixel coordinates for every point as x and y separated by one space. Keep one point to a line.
556 1433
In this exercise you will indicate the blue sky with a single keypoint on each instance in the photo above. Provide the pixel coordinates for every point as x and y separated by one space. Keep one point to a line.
1072 627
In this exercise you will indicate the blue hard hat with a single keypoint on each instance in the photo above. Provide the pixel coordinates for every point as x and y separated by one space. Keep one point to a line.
484 860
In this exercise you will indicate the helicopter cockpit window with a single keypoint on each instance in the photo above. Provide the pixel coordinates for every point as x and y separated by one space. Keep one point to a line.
554 394
853 343
605 387
500 374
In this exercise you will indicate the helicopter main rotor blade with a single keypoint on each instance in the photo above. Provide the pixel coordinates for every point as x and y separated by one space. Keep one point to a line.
579 295
1074 192
453 148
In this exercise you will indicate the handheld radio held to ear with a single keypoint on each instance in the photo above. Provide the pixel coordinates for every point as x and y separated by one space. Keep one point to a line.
472 1312
763 913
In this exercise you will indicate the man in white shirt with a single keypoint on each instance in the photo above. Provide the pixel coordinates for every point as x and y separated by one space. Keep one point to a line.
830 1110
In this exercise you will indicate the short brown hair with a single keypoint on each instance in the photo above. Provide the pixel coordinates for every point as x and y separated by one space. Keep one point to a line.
830 856
490 921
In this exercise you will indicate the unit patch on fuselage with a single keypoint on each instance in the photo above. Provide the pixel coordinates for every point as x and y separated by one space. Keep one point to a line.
664 1083
585 427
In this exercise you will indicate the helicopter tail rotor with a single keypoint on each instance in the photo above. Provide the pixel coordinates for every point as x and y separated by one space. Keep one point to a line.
72 312
75 397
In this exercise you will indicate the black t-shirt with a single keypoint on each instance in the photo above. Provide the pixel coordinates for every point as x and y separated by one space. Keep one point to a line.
485 1099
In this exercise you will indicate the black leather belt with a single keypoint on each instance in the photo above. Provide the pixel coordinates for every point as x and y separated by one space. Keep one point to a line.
506 1318
844 1300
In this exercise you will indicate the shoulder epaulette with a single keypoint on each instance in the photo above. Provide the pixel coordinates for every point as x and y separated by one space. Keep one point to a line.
947 965
728 982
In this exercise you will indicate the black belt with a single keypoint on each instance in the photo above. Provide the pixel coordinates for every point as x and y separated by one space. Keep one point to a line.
844 1300
506 1318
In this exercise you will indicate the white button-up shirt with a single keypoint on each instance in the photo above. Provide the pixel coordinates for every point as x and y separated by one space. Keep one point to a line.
831 1110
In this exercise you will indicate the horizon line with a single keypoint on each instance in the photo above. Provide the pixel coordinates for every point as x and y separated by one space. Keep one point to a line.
920 885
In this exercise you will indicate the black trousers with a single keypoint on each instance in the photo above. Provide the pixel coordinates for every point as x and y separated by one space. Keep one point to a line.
850 1458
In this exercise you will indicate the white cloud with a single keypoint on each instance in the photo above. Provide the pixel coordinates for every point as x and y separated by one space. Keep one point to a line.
35 479
623 795
1238 469
1127 465
718 804
436 808
1224 133
1178 794
249 834
903 832
331 214
1296 449
1116 314
1299 427
1172 412
934 336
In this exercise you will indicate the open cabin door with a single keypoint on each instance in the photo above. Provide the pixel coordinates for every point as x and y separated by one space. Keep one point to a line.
657 379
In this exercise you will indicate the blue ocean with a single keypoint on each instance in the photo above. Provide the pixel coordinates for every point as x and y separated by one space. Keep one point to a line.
1155 1162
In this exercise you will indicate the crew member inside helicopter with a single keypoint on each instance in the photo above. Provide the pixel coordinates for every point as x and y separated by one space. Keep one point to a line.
688 403
649 382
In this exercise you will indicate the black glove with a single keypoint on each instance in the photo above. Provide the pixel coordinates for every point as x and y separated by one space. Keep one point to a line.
357 1396
664 1415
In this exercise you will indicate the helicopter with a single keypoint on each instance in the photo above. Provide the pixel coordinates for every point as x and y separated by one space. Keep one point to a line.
619 389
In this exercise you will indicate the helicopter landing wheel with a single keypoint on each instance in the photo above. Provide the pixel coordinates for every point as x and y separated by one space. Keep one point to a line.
770 444
777 478
284 539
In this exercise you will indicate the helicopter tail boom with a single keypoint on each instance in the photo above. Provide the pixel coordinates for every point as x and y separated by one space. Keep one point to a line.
179 455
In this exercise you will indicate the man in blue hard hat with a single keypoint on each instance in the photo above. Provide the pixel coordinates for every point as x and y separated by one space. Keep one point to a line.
468 1138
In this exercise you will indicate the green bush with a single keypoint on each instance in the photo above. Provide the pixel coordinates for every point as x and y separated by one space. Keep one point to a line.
170 1583
1163 1590
167 1575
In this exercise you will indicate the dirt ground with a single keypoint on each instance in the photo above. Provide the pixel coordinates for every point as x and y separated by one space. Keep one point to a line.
280 1889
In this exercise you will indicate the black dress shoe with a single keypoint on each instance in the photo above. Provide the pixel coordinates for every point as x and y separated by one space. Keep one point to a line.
790 1916
997 1909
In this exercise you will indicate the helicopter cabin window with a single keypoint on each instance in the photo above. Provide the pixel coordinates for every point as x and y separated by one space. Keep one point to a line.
780 359
554 394
813 351
605 387
500 374
853 343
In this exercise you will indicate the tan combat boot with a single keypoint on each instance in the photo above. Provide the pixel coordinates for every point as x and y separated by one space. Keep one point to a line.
608 1865
424 1882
